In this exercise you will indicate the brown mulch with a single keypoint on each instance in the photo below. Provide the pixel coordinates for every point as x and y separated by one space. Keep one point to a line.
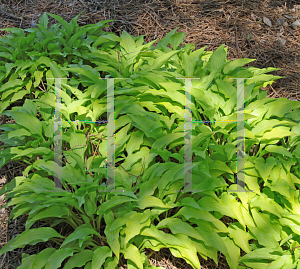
239 24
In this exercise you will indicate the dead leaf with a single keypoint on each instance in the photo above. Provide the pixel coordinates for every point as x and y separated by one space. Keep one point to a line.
267 21
280 21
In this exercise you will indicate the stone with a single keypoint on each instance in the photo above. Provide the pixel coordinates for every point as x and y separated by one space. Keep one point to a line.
280 21
296 24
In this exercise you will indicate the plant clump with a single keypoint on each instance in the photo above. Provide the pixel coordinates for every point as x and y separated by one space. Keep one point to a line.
93 228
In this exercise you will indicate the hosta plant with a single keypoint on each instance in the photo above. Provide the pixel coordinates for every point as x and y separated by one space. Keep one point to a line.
92 228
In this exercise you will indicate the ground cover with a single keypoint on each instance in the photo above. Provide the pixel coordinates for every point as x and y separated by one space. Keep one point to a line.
184 60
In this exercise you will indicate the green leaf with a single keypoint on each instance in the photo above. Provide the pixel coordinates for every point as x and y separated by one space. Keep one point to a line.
240 236
19 133
266 204
76 36
147 127
280 107
55 260
166 140
119 222
18 95
151 201
30 151
76 173
114 201
49 166
135 157
165 40
64 23
176 40
53 211
74 25
31 237
187 65
44 20
217 59
160 236
160 61
219 165
41 259
135 141
132 253
153 79
78 143
79 259
80 232
8 94
31 107
4 105
263 253
111 263
127 42
227 205
264 168
190 212
233 253
293 224
6 55
8 186
100 255
55 70
226 88
179 226
267 125
31 123
279 150
86 73
279 185
135 223
229 67
73 106
11 84
27 262
266 232
282 262
37 78
112 238
186 251
107 38
276 133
